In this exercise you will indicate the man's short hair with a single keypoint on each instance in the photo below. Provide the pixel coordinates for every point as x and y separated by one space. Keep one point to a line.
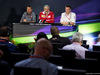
29 6
46 6
68 6
77 37
41 35
5 31
54 30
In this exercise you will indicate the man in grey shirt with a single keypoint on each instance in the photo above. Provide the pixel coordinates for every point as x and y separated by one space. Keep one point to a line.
42 51
28 16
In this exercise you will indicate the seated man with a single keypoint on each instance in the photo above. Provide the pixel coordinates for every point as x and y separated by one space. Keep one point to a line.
43 49
4 38
46 16
68 17
56 38
28 16
98 43
41 35
76 45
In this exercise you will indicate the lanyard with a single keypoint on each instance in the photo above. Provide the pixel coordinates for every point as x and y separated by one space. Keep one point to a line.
46 15
36 56
28 16
69 17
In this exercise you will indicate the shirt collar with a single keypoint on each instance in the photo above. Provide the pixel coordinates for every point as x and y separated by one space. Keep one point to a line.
75 43
37 56
68 14
56 36
44 12
29 14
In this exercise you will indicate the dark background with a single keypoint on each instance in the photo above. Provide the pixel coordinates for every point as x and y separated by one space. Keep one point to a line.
12 10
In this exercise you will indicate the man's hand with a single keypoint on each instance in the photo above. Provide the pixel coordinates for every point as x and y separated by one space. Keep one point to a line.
64 23
72 23
46 22
24 20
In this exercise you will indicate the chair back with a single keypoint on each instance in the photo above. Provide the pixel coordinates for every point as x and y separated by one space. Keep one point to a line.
66 53
96 48
26 71
71 72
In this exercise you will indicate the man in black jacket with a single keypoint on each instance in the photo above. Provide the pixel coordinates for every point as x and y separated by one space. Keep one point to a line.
56 38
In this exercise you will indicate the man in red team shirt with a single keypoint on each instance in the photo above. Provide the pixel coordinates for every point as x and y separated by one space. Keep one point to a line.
46 16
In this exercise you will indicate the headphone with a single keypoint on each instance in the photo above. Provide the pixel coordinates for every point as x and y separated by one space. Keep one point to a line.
9 31
5 32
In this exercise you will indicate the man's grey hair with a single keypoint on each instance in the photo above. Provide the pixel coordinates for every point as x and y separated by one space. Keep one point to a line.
77 37
46 6
99 36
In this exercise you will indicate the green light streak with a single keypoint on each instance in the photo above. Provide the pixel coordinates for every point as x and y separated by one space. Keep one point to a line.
82 28
89 28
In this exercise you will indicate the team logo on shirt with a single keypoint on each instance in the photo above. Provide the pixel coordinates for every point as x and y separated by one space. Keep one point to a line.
31 16
49 16
43 16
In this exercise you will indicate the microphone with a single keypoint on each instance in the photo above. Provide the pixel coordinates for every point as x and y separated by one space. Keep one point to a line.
40 21
44 21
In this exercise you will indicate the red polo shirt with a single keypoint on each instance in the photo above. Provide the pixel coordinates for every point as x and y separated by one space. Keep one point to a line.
49 18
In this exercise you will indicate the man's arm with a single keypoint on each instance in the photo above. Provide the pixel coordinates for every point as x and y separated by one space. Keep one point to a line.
53 70
72 23
40 16
64 23
68 23
23 17
73 20
62 20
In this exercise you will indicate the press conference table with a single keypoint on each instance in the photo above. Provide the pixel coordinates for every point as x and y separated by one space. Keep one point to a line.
26 32
53 24
32 29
